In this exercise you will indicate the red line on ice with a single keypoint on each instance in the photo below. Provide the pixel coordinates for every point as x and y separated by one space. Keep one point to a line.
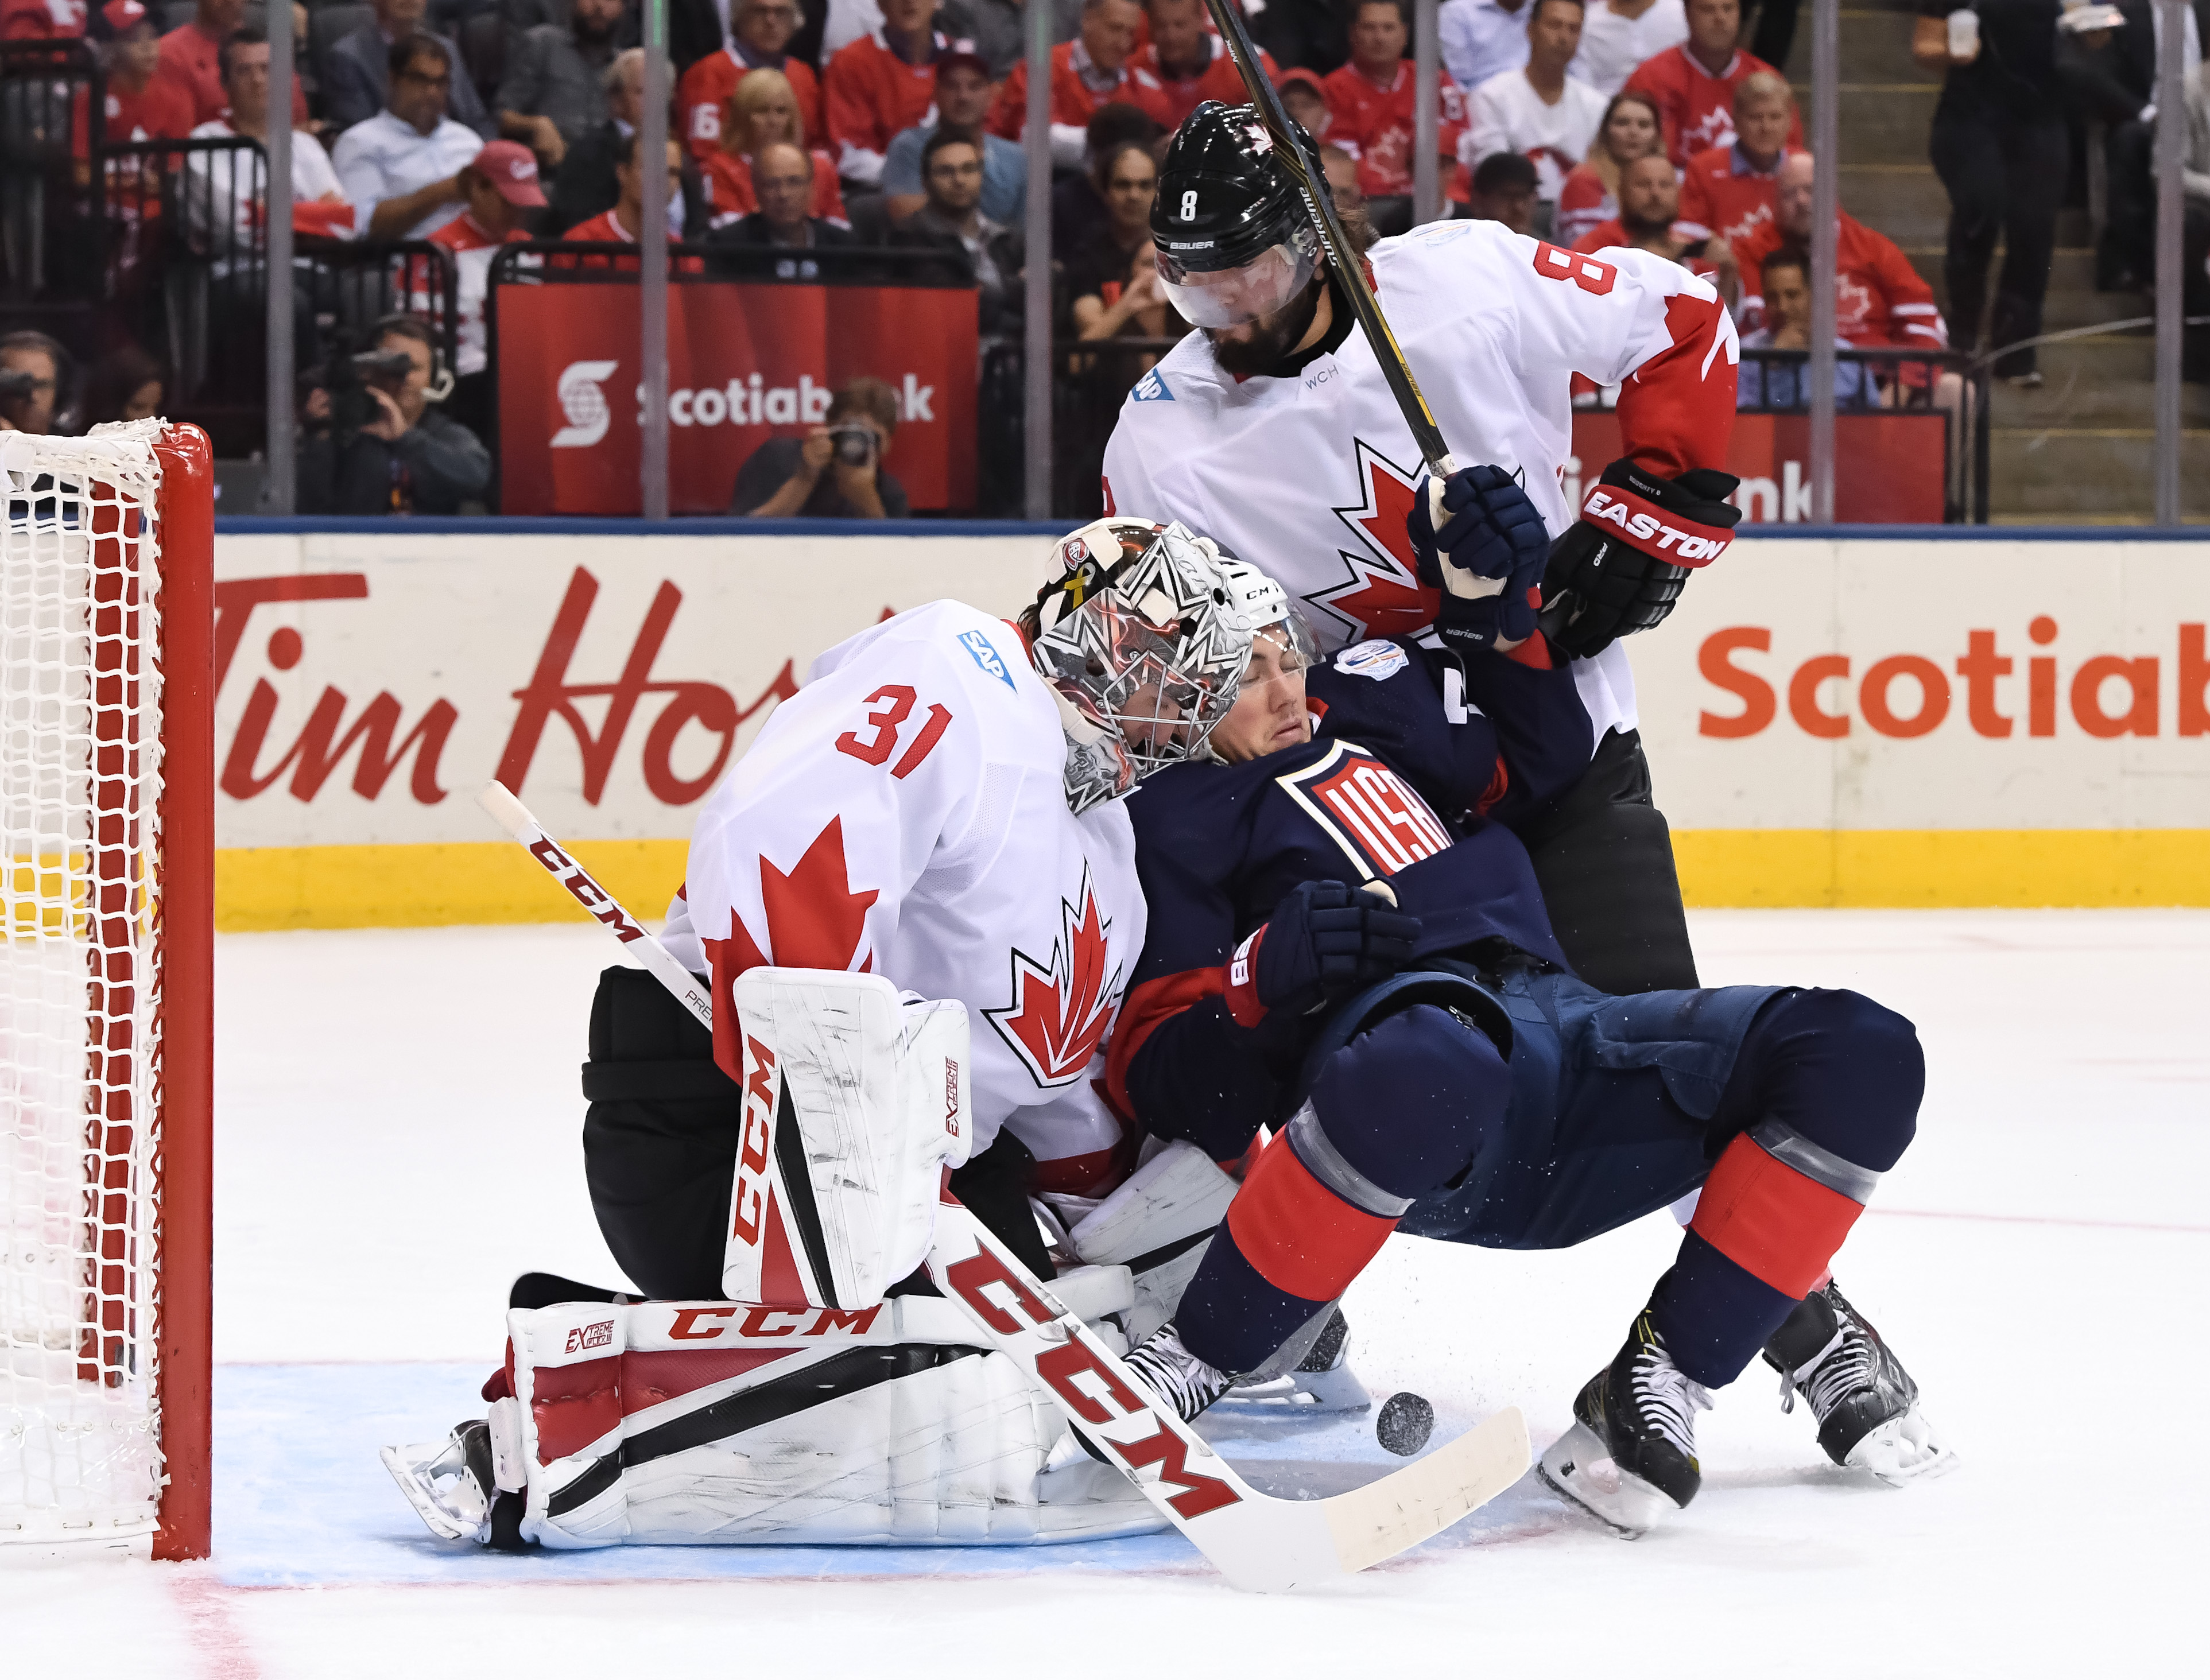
216 1639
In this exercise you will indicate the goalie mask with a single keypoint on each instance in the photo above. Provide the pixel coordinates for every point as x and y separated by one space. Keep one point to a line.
1142 642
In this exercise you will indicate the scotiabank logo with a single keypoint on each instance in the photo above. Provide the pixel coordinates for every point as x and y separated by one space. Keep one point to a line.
583 403
1906 695
742 401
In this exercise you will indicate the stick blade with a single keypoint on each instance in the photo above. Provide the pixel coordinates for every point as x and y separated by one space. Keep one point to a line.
1372 1524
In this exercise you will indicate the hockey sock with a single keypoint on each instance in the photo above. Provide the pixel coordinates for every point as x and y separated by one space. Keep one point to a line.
1826 1089
1398 1111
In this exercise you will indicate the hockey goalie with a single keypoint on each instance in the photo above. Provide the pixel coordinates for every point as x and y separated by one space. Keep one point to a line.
915 904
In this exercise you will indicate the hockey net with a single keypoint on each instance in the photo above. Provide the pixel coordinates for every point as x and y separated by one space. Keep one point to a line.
105 551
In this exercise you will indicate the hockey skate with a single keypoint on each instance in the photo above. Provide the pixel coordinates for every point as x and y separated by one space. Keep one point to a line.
1175 1375
452 1484
1630 1458
1322 1382
1865 1403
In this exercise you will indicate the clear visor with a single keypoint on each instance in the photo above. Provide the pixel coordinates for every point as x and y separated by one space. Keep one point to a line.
1229 297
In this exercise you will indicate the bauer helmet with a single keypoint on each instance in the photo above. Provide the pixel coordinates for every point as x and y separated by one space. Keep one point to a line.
1141 646
1234 239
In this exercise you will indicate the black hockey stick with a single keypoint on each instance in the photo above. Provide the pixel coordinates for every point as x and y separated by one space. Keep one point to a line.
1305 170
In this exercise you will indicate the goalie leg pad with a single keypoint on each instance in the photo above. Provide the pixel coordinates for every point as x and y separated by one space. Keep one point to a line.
1157 1224
717 1423
855 1098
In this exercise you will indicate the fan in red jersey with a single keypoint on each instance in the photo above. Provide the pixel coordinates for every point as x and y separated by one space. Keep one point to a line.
1370 103
1096 69
1694 83
759 30
881 85
1728 190
1188 61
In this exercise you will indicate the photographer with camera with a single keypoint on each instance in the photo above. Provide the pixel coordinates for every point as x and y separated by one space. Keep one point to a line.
835 471
373 443
34 373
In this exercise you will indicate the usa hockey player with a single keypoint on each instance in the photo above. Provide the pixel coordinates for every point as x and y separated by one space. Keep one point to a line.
1343 944
1273 431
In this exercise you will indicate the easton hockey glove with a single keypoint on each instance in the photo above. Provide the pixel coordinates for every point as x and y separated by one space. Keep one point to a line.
1622 564
1322 942
1485 558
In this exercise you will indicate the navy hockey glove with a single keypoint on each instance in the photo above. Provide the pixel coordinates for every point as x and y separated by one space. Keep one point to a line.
1493 536
1622 564
1322 942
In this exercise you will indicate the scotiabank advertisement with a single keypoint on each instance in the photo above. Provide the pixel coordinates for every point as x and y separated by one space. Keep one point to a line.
1807 697
1888 469
746 364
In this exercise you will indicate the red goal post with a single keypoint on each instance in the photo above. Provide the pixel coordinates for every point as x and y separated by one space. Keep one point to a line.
106 1010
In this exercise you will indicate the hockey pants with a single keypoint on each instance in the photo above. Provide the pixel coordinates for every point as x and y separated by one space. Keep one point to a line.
1604 855
1785 1105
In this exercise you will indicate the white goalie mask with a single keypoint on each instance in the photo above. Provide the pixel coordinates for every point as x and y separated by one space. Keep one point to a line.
1142 639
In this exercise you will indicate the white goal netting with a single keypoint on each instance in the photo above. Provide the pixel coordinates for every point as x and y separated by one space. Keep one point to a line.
79 984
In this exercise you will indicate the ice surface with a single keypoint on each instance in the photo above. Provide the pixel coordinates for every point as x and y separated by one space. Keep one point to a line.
399 1135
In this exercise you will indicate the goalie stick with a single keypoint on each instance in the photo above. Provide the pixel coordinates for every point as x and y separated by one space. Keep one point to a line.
1258 1542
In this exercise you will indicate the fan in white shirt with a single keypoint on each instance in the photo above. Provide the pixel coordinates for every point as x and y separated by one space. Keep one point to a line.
1537 109
227 205
1619 34
402 166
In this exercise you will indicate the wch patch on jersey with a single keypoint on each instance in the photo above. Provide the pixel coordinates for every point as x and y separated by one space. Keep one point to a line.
1151 388
1378 660
1368 810
984 653
1060 1009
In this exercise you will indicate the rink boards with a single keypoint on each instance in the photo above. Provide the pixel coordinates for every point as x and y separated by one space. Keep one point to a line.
1918 720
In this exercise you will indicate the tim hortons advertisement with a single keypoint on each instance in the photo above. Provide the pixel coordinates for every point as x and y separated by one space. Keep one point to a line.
1888 469
744 364
369 686
1808 697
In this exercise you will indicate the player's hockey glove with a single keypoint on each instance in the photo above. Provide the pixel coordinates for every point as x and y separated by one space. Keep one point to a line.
1485 559
1622 564
1322 943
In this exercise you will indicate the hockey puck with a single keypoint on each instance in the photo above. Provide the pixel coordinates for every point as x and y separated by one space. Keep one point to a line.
1405 1422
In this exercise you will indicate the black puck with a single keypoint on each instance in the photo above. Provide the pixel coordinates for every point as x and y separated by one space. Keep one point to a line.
1405 1422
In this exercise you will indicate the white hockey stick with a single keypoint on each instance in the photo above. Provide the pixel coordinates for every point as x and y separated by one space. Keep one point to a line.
1257 1542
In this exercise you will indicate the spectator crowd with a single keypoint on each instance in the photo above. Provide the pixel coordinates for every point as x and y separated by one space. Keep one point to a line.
808 135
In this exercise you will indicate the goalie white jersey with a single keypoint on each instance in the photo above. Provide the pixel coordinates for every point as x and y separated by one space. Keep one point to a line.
1309 477
905 813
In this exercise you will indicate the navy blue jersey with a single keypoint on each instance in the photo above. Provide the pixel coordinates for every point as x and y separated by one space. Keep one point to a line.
1408 757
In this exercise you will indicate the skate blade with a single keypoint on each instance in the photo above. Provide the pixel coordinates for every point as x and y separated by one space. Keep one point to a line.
1579 1469
1304 1393
1901 1451
412 1468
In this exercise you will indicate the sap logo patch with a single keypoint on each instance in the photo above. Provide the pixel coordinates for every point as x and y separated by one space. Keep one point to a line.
1151 388
600 1334
1377 660
980 650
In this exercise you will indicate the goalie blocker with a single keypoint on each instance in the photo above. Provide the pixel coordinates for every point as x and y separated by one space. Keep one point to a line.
826 1394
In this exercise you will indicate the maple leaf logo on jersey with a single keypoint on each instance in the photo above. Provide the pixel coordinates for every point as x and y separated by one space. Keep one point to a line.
1061 1010
1385 596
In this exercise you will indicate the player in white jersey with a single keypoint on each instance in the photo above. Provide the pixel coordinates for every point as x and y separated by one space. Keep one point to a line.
938 805
1273 431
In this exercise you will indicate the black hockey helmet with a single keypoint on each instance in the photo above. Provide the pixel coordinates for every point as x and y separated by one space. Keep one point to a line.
1225 203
